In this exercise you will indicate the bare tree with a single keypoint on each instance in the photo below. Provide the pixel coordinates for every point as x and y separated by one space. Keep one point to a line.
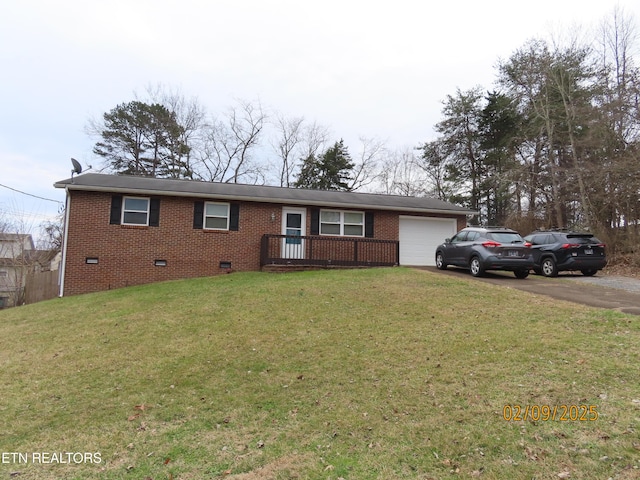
364 167
314 139
400 174
617 180
16 261
295 140
618 40
230 142
287 145
52 233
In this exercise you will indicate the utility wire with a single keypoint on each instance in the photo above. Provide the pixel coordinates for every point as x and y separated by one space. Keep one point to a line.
31 195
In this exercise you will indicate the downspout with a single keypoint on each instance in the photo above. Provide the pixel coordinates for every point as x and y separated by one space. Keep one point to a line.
63 261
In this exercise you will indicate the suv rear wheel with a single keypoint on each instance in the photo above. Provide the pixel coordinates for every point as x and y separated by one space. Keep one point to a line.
521 273
476 267
549 268
590 272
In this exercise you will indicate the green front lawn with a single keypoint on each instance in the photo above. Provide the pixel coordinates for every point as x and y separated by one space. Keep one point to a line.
354 374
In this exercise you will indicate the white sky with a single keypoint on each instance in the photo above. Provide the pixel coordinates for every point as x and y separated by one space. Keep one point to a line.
361 67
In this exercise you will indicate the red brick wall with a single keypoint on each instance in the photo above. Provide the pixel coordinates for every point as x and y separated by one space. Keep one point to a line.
126 254
387 224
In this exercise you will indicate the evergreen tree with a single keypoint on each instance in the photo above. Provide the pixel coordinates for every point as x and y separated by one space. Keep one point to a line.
460 141
143 139
331 171
498 128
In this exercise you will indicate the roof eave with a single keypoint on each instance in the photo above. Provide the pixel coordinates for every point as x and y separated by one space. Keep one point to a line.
249 198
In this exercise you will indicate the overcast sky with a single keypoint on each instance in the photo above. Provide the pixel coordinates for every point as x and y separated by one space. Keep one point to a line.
361 67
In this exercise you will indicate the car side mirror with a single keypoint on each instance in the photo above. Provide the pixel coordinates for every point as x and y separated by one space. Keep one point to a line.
447 240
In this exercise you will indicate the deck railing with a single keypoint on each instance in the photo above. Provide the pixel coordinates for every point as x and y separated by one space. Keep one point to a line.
328 251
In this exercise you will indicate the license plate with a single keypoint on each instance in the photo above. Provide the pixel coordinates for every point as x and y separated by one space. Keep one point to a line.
513 253
588 251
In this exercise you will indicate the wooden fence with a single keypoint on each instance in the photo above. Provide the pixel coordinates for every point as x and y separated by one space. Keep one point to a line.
41 286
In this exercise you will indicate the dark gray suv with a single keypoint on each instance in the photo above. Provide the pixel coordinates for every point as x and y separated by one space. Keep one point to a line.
484 248
556 251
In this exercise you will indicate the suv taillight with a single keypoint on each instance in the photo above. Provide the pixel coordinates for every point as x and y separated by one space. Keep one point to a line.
528 244
491 244
570 245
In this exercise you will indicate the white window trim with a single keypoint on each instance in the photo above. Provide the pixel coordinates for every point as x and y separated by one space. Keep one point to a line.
342 223
205 216
147 211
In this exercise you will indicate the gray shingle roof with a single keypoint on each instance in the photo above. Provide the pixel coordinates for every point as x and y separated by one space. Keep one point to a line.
257 193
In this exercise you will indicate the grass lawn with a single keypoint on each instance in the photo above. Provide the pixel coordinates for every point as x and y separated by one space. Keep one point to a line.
354 374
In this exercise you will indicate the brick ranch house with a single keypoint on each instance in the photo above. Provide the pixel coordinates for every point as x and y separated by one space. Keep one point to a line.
124 230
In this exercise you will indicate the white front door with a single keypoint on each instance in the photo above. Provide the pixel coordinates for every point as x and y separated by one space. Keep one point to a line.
293 225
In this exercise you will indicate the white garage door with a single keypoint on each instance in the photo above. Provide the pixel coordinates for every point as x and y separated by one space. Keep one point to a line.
419 237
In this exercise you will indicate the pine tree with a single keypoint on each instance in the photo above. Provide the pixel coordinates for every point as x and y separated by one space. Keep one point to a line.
143 139
331 171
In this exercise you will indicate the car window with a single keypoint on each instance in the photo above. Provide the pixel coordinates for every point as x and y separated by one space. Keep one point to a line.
542 239
582 239
534 239
459 237
472 236
505 237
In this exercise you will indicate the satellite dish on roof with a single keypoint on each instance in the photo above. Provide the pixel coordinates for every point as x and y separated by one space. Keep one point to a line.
77 168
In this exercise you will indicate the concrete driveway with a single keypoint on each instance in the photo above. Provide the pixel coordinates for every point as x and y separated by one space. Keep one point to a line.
616 293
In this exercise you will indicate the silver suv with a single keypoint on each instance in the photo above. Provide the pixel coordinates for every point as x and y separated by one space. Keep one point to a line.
486 248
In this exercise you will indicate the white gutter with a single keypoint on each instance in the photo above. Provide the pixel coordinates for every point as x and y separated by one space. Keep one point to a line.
63 261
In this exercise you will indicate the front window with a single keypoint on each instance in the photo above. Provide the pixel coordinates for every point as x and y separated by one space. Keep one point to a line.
135 211
459 237
216 216
471 236
333 222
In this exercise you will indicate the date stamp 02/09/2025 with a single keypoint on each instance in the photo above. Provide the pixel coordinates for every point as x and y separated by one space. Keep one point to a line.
550 413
